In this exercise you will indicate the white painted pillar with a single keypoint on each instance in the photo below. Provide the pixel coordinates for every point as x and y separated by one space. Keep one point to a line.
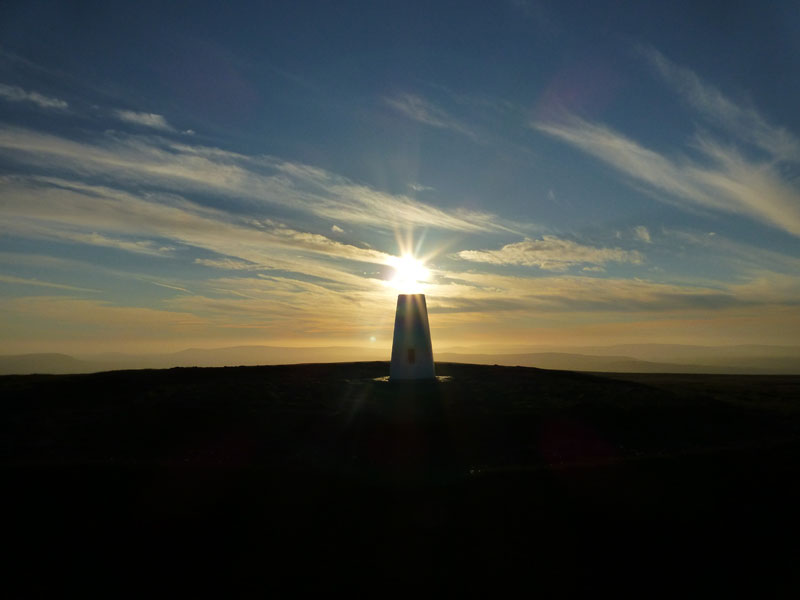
412 353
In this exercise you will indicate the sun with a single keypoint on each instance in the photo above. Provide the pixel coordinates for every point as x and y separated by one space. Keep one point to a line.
409 274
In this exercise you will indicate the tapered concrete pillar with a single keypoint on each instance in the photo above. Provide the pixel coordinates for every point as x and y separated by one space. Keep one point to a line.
412 353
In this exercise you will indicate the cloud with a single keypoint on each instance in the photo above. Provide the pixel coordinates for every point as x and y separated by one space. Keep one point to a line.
744 122
13 93
726 181
550 253
230 264
641 233
421 110
601 295
35 282
170 286
98 239
146 120
747 187
477 305
336 229
283 304
261 180
745 259
61 209
712 175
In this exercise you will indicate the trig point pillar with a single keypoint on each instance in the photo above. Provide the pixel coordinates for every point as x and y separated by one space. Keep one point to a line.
412 354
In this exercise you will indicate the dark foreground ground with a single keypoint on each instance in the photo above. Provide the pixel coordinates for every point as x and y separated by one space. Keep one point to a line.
245 481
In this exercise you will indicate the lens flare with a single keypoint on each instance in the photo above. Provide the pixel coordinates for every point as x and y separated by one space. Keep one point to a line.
409 274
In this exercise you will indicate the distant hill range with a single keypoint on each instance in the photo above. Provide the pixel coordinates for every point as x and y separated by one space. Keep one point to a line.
626 364
631 358
24 364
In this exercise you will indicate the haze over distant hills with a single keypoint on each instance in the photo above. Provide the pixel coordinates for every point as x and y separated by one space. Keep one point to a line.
632 358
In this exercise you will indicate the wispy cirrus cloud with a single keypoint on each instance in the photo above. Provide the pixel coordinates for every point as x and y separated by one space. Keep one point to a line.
13 93
570 294
551 253
423 111
52 208
748 260
170 286
93 238
144 119
744 122
228 264
707 173
724 180
38 283
183 168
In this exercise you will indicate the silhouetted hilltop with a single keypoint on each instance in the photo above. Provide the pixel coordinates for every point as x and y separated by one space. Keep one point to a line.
322 476
153 414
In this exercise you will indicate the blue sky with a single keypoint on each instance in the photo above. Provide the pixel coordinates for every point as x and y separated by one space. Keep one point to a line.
573 173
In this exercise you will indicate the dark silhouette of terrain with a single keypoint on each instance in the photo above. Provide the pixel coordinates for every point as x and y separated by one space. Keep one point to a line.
327 476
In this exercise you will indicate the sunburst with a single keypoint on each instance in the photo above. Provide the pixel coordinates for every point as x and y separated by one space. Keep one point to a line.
410 274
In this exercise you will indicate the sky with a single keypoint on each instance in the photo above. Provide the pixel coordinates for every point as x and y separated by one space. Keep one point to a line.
206 175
